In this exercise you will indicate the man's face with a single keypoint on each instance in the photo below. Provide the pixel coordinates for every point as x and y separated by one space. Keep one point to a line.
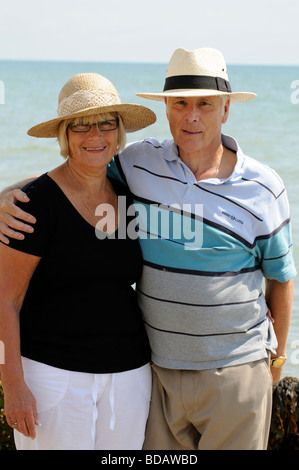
195 122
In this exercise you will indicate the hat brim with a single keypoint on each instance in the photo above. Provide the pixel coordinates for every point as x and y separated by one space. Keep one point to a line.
235 97
134 116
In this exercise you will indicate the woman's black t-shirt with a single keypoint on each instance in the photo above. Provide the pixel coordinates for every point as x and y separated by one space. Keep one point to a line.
80 311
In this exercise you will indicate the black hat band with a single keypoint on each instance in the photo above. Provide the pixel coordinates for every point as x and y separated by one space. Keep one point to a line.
197 82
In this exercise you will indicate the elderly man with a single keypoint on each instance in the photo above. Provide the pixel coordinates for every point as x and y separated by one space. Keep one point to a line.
203 301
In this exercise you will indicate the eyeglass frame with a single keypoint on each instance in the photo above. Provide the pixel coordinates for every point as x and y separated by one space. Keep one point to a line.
97 124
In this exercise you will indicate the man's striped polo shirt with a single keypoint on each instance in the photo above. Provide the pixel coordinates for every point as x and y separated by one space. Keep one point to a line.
207 246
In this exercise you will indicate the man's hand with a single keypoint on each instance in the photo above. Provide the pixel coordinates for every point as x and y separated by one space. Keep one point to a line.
276 373
9 213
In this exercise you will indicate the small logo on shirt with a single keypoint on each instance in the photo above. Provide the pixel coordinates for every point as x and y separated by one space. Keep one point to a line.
232 217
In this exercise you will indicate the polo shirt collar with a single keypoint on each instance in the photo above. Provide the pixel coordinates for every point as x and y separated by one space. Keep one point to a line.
230 143
171 153
170 150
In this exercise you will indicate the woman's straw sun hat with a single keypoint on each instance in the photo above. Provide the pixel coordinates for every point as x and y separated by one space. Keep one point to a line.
201 72
90 93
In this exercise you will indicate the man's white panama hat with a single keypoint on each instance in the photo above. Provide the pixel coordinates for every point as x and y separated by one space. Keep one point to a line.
201 72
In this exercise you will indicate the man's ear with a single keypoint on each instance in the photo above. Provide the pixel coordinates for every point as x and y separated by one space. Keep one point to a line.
165 101
226 111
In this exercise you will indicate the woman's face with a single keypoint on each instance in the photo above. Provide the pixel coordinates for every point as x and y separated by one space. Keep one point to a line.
95 148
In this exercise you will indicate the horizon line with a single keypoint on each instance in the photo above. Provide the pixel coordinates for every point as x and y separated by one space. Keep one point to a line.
132 62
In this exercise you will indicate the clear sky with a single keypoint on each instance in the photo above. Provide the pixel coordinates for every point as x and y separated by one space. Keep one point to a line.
253 32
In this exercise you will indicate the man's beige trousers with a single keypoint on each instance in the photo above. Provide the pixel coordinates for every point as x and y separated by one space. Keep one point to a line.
219 409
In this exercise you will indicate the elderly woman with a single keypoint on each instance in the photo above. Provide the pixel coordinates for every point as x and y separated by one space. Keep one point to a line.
76 372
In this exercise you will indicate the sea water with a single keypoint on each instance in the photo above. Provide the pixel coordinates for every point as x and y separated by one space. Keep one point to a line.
267 128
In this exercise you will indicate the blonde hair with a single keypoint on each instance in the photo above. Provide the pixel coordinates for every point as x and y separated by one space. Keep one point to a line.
62 130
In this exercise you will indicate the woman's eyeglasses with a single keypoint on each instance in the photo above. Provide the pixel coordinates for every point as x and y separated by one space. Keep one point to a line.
103 126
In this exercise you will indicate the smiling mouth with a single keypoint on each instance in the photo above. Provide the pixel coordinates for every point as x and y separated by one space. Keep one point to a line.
94 149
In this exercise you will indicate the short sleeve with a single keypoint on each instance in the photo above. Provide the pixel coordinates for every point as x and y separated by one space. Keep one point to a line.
277 258
276 248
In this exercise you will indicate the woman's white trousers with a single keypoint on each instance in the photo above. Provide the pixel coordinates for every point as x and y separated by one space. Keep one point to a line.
82 411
